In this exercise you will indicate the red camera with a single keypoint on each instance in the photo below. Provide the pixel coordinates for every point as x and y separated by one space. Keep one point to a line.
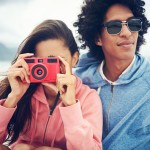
43 69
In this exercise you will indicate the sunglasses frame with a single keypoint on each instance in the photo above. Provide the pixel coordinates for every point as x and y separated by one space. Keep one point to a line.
124 22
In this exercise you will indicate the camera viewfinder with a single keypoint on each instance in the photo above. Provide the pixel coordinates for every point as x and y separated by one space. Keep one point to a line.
40 60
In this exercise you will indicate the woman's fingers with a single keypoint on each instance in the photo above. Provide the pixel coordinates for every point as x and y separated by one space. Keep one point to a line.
59 85
21 62
64 81
25 55
20 68
13 74
18 72
66 85
66 64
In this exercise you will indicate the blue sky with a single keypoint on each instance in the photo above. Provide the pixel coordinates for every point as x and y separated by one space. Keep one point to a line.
19 17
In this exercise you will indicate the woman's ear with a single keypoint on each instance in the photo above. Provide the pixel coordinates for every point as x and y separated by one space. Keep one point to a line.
75 58
98 41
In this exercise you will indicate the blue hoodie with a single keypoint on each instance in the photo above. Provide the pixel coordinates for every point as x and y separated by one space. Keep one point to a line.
126 106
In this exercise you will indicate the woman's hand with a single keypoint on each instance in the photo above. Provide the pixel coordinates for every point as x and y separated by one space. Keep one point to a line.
18 76
66 84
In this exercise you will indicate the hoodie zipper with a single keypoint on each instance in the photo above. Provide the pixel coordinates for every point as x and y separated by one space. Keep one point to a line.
46 129
109 107
51 111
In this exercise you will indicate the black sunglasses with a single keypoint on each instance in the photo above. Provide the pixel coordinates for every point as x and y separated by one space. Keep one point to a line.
114 27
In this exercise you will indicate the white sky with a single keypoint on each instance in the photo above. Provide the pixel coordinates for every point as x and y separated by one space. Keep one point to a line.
19 17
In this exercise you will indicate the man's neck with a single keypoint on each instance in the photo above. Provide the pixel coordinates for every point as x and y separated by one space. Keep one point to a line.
112 71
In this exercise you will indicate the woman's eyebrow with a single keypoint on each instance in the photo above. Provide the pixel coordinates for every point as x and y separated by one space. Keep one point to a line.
56 56
51 56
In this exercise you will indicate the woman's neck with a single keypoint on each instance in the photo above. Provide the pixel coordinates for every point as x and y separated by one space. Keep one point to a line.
50 96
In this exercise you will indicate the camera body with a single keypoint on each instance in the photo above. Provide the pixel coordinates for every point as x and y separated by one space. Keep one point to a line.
43 69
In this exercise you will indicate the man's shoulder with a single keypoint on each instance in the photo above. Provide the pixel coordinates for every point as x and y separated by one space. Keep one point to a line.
146 69
86 59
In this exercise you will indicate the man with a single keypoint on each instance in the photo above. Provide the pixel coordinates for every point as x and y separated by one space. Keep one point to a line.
113 31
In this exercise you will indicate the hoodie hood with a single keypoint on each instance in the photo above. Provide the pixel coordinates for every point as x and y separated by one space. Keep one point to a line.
88 70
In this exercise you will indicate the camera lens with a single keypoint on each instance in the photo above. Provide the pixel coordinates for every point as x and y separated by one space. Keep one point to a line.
39 71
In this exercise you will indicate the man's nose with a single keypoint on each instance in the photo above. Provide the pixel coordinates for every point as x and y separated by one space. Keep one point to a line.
125 31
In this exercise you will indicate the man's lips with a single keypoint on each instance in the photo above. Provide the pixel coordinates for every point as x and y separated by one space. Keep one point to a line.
125 43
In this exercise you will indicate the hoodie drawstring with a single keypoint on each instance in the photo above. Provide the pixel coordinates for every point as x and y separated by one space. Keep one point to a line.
99 90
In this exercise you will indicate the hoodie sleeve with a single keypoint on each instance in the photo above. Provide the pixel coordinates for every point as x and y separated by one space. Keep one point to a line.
83 123
5 116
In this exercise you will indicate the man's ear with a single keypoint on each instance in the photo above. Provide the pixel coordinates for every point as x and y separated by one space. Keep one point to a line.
98 41
75 58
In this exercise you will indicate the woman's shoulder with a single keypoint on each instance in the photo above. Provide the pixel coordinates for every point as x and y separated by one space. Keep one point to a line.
84 92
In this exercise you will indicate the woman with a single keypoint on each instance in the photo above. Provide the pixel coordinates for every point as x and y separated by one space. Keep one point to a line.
76 122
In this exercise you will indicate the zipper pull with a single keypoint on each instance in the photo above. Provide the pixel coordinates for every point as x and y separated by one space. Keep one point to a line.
112 88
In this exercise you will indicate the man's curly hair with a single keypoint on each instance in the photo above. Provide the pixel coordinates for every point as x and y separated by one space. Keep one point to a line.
92 16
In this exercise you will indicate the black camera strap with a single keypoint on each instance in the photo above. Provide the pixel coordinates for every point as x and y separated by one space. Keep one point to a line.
55 103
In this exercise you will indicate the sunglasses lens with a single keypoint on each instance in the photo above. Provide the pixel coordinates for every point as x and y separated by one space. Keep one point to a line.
135 25
114 27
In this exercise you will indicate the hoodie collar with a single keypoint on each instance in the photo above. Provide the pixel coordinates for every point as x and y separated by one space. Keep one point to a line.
115 82
40 95
91 76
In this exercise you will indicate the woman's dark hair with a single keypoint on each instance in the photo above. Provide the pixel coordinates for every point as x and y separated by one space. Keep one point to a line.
92 16
49 29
